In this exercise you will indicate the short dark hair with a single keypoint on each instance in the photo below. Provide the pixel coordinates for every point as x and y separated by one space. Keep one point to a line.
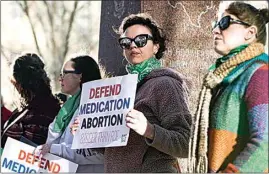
29 73
252 16
88 67
146 20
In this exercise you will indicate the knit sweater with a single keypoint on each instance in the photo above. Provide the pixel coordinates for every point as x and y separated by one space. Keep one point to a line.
5 114
34 124
162 98
238 130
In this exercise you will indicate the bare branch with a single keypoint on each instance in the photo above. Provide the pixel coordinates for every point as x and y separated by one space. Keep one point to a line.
71 21
50 17
86 4
25 9
49 14
44 26
63 15
5 56
4 52
21 5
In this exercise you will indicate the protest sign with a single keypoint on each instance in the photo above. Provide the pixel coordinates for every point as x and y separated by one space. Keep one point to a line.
18 157
103 107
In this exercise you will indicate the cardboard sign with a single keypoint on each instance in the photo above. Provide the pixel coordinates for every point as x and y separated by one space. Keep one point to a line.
18 157
103 107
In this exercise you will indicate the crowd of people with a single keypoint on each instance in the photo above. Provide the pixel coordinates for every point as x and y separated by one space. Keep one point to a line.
229 132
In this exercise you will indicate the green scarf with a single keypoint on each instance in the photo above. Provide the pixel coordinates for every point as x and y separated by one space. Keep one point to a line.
66 113
232 53
1 151
143 68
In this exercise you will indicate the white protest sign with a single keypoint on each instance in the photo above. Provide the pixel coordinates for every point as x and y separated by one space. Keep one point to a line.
103 107
18 157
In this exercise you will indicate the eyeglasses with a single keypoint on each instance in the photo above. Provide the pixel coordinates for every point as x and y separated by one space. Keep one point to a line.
225 22
139 40
68 72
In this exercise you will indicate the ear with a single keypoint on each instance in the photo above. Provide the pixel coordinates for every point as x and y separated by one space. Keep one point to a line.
79 77
251 33
156 48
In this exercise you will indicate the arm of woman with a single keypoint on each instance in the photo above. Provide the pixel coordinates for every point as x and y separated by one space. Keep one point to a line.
13 127
30 127
15 131
254 157
78 156
169 103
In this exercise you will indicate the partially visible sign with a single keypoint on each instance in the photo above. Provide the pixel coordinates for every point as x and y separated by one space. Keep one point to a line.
18 157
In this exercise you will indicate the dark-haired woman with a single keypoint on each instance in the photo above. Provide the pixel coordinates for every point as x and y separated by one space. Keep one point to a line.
237 111
160 121
75 72
39 106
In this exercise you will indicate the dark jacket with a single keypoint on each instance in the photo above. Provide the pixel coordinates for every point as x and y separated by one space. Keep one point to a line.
34 123
162 97
5 114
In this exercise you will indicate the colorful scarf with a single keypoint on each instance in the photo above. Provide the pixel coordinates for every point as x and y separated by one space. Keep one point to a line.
197 161
143 68
66 113
223 59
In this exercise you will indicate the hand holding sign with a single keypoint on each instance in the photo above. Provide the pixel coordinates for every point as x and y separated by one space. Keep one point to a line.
74 126
137 121
42 150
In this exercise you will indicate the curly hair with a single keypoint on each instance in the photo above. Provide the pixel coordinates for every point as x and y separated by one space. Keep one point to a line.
30 76
146 20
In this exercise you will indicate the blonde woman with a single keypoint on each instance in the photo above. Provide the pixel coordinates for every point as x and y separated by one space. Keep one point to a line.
237 86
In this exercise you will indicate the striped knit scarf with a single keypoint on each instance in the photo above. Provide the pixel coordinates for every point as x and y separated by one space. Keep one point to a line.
197 161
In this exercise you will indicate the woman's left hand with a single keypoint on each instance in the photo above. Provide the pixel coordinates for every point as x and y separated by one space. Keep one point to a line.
137 121
42 150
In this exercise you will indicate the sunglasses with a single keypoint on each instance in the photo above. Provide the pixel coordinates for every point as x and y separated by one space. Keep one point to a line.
139 40
225 22
68 72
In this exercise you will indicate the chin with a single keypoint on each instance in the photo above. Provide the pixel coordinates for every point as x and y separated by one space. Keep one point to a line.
220 51
63 91
135 61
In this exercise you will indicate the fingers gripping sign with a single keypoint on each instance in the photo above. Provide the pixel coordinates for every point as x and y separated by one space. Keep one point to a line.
74 127
138 122
42 150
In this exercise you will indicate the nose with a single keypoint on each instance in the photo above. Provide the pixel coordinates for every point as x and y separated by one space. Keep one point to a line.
216 30
133 45
60 78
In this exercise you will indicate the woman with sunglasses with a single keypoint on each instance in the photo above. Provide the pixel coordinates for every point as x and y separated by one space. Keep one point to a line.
38 105
75 72
160 121
233 106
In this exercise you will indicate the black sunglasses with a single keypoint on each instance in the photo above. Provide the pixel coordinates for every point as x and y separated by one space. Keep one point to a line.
139 40
68 72
225 22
